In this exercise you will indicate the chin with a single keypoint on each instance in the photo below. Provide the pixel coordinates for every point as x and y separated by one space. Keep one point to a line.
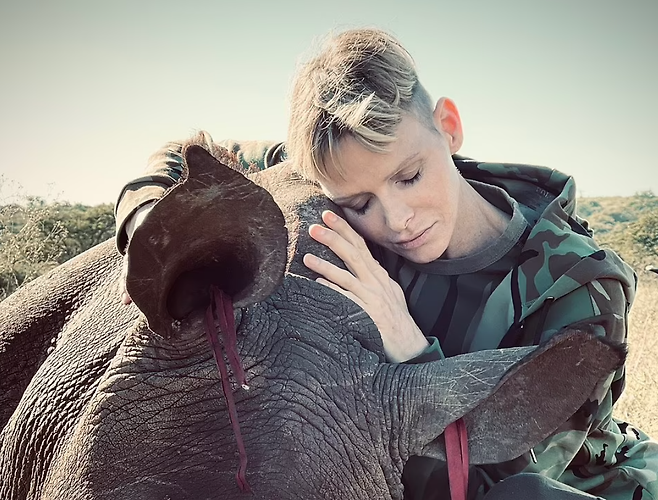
421 256
419 260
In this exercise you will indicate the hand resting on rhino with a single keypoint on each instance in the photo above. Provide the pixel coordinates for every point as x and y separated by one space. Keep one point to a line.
104 401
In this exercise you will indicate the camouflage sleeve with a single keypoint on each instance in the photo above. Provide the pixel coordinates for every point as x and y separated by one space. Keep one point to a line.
615 460
256 154
163 170
165 167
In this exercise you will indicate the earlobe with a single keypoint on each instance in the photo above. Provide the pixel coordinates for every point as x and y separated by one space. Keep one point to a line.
449 123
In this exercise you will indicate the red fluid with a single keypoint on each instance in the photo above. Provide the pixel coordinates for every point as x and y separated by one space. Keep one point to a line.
220 320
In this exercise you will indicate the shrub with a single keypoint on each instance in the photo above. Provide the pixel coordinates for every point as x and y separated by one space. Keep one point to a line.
36 236
30 243
644 232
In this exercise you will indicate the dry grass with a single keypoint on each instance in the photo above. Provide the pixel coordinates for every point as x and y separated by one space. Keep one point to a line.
639 403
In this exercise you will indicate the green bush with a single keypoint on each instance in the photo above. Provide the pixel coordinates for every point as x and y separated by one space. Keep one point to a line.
628 225
36 237
31 243
85 226
644 232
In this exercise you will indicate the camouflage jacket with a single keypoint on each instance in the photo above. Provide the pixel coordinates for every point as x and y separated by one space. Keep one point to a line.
564 278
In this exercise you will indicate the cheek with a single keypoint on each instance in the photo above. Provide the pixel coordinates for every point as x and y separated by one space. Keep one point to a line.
445 194
365 226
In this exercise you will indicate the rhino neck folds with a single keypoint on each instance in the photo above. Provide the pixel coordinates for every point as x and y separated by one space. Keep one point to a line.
219 318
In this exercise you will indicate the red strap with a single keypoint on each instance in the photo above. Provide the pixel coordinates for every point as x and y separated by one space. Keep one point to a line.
457 455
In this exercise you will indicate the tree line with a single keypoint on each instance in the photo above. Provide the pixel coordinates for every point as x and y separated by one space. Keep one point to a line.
36 236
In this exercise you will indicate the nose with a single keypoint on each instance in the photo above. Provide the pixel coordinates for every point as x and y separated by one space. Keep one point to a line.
397 214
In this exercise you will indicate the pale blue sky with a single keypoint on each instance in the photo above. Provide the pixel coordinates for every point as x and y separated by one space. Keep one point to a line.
89 89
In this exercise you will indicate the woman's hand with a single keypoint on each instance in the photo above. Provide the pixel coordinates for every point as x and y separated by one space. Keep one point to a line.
367 284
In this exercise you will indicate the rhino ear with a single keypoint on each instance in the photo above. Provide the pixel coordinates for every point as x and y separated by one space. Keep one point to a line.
511 399
215 227
539 394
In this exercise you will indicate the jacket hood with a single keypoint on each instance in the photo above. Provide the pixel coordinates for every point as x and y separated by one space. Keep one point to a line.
559 254
533 187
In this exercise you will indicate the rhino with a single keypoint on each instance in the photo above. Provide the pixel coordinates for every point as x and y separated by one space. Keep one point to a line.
234 374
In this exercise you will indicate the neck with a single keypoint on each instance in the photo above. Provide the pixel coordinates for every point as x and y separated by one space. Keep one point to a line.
479 224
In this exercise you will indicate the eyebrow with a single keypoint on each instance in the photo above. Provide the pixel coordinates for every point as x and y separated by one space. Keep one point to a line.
403 165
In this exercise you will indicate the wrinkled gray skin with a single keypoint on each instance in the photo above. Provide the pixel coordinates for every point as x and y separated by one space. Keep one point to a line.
94 405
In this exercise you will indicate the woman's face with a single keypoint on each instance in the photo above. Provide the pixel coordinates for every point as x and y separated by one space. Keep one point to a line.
405 200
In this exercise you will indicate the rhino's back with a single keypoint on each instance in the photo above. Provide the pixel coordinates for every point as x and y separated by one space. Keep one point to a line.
32 318
58 335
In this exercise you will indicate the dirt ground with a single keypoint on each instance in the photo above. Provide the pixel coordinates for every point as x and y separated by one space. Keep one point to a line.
639 403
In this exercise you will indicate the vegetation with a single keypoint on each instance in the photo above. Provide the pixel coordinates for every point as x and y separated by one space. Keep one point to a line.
628 225
36 236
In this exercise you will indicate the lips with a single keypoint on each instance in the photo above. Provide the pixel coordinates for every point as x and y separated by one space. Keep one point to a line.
414 242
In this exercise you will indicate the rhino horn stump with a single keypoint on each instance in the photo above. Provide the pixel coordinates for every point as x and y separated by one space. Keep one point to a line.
215 227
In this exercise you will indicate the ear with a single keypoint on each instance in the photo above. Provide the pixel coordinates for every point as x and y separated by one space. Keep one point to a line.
509 405
216 227
448 123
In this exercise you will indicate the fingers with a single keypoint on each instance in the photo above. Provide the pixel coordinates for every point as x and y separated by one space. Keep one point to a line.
347 294
346 243
344 280
368 284
341 227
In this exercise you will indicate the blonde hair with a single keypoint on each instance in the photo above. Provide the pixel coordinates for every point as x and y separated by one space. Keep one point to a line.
359 85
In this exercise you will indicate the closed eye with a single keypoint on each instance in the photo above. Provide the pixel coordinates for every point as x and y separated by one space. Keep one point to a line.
412 180
362 209
407 182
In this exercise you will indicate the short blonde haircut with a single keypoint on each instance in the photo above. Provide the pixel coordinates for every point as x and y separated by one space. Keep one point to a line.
359 85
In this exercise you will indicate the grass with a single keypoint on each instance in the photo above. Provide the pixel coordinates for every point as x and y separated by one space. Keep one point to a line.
638 404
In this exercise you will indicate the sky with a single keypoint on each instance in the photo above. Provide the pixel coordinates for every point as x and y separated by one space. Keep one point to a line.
89 88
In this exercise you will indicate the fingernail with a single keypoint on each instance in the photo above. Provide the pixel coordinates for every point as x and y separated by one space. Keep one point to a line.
330 216
317 229
311 259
